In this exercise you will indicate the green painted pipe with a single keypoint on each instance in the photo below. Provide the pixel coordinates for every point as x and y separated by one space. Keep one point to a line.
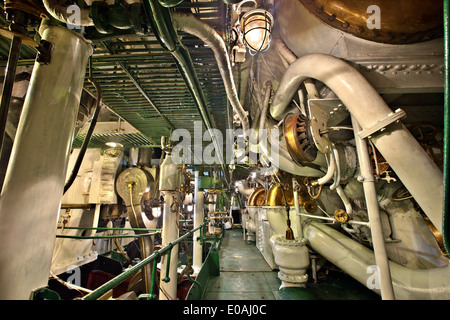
100 291
167 278
195 282
161 23
152 286
446 205
170 3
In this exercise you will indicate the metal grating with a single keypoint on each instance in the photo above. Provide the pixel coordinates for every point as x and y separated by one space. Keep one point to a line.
141 83
128 140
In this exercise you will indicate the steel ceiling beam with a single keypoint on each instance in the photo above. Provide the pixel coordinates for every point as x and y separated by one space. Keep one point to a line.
138 85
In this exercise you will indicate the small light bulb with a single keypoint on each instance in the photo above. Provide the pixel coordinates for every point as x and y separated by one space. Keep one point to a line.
156 212
114 144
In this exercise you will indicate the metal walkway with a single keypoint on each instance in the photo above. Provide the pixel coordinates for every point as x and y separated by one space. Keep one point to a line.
244 274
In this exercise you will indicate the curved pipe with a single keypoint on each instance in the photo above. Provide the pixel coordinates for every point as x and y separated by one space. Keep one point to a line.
290 58
330 172
368 108
243 188
337 177
359 262
345 200
61 12
190 24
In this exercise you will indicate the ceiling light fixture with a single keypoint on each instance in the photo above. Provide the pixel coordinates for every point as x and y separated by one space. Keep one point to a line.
257 27
114 144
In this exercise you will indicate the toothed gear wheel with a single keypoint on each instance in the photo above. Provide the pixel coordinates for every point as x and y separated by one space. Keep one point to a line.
298 139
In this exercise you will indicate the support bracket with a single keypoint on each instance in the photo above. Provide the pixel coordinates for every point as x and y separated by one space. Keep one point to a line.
382 124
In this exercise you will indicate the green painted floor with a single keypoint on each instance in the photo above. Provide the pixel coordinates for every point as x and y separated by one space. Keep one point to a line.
245 275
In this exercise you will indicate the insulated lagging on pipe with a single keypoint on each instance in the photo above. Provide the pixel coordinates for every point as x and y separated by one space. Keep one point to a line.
396 144
62 12
31 197
191 25
359 262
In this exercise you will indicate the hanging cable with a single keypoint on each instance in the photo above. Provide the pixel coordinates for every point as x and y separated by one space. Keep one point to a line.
88 136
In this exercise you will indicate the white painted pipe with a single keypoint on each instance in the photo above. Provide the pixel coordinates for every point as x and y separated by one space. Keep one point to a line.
170 232
345 200
337 177
359 262
396 144
34 182
62 12
330 171
200 29
370 194
198 220
243 188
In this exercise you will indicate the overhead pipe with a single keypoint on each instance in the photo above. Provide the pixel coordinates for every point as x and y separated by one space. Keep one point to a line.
359 262
163 28
59 10
368 108
31 196
200 29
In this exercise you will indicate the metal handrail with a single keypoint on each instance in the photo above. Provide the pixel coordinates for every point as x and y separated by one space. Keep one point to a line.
100 291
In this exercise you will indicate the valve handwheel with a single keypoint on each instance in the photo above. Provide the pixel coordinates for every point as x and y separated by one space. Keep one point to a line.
431 139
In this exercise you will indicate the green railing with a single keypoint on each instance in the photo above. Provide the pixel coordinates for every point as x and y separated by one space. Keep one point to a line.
446 207
210 267
120 236
103 289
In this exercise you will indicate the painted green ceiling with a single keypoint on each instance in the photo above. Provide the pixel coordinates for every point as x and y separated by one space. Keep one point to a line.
138 77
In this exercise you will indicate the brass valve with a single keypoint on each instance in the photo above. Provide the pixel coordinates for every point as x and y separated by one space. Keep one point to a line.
341 216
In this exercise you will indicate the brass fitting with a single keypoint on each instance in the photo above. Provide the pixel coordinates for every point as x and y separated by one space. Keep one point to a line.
341 216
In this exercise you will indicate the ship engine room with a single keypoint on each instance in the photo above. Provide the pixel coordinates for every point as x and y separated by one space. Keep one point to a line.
224 150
